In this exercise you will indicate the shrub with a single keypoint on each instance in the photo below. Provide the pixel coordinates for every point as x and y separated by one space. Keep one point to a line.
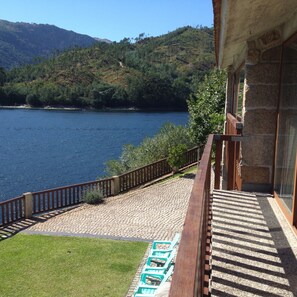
33 100
176 156
150 150
93 197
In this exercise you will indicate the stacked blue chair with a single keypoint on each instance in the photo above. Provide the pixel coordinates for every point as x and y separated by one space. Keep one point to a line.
158 267
145 290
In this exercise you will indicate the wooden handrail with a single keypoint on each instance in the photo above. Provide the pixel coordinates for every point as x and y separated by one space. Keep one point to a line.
234 126
190 277
73 185
189 272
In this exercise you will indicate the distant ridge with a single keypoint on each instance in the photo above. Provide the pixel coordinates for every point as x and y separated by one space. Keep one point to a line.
21 42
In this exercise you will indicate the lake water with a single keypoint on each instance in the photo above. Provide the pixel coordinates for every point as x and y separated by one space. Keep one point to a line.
42 149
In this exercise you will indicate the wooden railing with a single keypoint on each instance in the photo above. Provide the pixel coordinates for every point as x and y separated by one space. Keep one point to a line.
38 202
143 175
192 156
67 196
232 153
189 272
192 267
12 210
153 171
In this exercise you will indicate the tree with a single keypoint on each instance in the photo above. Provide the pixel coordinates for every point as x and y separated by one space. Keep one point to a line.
206 106
2 76
170 137
176 156
33 100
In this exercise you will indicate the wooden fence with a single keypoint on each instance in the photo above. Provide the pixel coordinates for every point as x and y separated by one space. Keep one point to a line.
143 175
38 202
67 196
12 210
153 171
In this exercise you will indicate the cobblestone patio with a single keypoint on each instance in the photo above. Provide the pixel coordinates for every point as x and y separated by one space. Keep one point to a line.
155 212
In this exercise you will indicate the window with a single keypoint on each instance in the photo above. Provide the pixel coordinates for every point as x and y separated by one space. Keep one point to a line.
238 95
285 167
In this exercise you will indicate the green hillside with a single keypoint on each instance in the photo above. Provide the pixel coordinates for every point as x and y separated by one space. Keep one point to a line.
155 72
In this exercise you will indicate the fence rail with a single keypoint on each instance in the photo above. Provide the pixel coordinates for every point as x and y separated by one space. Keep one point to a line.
12 210
15 209
67 196
153 171
143 175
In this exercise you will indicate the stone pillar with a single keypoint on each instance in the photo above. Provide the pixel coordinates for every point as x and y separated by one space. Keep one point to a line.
28 205
260 103
115 185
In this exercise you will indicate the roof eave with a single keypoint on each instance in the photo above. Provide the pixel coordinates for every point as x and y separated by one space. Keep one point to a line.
217 26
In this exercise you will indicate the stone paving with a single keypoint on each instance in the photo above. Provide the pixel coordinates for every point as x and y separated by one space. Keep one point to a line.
155 212
251 253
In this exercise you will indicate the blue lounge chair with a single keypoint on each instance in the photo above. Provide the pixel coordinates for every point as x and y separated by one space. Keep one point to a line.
163 263
151 278
144 290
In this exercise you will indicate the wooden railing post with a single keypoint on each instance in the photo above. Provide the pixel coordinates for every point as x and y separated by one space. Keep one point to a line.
28 205
115 185
218 163
231 165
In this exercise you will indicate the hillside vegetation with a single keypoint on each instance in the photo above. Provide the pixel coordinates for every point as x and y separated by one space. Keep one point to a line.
206 116
20 42
156 72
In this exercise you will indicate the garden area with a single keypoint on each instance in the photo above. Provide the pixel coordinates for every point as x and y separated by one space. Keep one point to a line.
38 265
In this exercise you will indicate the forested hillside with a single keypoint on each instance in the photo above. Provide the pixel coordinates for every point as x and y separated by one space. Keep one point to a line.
155 72
20 42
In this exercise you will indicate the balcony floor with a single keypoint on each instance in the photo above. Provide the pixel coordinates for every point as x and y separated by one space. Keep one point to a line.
254 250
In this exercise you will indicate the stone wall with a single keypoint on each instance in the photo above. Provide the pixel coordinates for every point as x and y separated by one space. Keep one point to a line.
260 103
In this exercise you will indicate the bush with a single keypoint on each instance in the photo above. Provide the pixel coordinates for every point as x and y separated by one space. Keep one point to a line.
93 197
177 156
150 150
33 100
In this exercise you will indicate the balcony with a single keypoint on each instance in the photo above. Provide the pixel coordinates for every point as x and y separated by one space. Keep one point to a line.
233 243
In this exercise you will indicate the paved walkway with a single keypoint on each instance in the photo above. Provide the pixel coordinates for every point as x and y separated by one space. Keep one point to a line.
155 212
253 248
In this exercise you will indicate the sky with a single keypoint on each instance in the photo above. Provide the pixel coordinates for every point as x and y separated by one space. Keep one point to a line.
111 19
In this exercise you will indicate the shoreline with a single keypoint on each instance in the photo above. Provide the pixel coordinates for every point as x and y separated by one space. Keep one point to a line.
124 109
67 108
40 108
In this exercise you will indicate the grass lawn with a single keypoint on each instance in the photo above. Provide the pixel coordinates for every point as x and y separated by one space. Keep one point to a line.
37 265
186 172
